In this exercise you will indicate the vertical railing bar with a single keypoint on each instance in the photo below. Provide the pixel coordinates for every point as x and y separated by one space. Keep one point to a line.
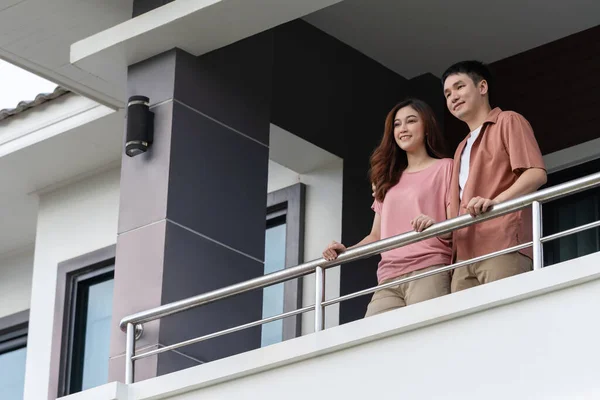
319 298
538 255
129 352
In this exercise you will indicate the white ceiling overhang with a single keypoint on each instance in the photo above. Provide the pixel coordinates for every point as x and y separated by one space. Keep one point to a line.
36 35
418 36
46 147
196 26
86 45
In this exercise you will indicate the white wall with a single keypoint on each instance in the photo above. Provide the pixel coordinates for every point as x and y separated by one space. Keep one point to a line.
293 160
16 270
281 177
323 223
72 221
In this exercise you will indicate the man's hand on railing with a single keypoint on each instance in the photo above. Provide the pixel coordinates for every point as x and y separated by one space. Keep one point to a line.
528 182
333 250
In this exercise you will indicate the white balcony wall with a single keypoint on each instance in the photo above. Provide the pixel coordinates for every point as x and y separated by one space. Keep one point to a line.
72 221
533 336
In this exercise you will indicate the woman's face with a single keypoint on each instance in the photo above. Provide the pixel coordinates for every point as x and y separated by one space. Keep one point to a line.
409 130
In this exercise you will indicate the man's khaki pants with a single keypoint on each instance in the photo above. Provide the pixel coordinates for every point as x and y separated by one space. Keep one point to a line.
489 270
409 293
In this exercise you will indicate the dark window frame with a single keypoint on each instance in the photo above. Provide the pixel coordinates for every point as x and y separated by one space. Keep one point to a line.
76 304
290 202
552 250
13 331
70 274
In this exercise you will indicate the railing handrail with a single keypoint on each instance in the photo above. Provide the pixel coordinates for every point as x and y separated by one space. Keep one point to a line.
368 250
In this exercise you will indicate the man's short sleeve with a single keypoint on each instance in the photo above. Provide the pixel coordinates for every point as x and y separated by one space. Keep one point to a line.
521 145
377 206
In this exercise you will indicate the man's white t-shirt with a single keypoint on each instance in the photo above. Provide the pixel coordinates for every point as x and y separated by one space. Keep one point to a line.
465 159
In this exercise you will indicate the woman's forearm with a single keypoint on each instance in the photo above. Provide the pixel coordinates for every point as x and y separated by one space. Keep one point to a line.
370 238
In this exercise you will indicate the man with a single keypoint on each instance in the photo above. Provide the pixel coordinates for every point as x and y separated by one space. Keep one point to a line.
499 160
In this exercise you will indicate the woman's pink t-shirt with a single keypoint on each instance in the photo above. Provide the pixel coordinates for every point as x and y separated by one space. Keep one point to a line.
422 192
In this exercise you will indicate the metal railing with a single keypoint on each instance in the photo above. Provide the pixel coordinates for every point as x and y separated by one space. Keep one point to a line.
318 266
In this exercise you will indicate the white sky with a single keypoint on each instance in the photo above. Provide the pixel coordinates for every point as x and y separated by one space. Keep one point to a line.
17 85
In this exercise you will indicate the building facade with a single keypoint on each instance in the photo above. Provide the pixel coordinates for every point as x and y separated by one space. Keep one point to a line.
264 118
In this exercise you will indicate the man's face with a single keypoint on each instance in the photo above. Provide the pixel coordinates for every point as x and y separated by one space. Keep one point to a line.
463 97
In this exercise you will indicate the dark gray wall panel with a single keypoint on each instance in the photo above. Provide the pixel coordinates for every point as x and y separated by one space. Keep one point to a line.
195 265
428 88
328 93
218 182
232 84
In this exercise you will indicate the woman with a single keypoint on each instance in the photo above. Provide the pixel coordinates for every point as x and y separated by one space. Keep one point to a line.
411 184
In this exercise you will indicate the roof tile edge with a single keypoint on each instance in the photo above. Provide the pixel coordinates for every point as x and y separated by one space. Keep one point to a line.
39 99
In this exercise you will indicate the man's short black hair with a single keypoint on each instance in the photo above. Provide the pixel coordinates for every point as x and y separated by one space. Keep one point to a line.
476 70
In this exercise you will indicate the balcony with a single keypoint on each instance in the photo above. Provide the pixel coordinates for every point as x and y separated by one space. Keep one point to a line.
531 336
510 337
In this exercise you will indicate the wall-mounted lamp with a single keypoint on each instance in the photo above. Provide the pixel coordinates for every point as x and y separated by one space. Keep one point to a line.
140 126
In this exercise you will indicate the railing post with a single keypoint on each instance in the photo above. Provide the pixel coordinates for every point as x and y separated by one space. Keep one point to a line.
129 352
319 298
538 254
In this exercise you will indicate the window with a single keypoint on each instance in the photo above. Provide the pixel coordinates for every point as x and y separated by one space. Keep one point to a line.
569 212
283 249
273 297
13 351
90 313
81 340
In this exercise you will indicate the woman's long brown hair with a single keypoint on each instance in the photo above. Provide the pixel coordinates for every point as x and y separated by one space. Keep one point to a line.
389 160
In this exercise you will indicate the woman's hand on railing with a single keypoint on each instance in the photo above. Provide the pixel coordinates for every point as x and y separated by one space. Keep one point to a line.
422 222
478 205
333 250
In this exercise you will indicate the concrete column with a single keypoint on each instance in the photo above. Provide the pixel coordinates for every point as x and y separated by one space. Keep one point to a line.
192 209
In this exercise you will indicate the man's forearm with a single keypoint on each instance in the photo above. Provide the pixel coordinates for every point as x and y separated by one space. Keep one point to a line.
529 181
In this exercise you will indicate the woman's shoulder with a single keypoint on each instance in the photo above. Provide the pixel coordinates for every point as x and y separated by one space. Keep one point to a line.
446 164
445 169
